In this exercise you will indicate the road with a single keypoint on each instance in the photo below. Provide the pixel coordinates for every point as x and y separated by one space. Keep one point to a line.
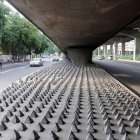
127 73
12 73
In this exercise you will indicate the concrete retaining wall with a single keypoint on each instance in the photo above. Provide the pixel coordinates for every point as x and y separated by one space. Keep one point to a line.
6 58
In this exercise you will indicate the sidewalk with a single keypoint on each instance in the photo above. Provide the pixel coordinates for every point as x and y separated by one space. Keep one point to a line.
128 60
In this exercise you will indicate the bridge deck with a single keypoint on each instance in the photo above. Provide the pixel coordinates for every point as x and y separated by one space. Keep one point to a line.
68 102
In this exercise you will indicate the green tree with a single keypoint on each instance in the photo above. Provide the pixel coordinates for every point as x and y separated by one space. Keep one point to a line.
13 35
4 11
42 44
20 37
52 48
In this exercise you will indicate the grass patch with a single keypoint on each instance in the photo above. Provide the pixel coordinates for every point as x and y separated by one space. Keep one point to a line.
95 56
106 56
125 57
138 58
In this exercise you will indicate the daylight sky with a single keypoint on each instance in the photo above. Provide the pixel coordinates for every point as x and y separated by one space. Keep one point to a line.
10 6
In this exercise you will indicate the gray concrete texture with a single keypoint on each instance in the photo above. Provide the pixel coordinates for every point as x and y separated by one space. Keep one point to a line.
66 102
123 48
127 73
137 48
80 56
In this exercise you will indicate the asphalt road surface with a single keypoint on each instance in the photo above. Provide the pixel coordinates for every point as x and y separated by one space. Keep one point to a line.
12 73
127 73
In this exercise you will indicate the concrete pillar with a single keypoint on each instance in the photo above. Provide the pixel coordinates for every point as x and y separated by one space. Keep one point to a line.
136 48
123 48
98 51
116 47
63 56
111 49
80 56
94 52
105 49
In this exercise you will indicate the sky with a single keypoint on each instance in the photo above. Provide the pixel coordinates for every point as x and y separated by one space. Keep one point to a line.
10 6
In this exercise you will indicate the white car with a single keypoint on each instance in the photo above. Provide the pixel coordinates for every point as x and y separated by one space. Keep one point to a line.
55 59
36 62
44 59
101 57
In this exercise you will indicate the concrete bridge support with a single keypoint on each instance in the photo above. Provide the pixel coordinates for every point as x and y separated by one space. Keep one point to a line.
123 48
80 56
115 49
98 51
111 49
136 48
94 52
105 49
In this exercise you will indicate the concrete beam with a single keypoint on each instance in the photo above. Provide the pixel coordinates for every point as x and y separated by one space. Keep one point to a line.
136 48
80 56
131 32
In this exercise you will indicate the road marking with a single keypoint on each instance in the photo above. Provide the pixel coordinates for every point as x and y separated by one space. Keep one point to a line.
12 70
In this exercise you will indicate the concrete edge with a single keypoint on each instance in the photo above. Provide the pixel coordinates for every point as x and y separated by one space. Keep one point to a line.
23 78
135 93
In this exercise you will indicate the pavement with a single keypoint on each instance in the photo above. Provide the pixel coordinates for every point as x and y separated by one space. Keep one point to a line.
127 73
13 72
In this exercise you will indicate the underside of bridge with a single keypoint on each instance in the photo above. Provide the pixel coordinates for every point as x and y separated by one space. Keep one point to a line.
79 26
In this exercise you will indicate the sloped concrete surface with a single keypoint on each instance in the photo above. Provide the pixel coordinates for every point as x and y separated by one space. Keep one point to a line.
68 103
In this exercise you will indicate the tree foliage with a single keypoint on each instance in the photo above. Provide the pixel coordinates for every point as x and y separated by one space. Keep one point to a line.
4 11
52 48
18 36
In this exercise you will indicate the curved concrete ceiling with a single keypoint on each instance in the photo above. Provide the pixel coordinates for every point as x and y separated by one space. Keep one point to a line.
79 23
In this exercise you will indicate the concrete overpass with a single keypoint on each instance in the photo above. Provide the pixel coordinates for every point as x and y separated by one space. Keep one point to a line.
130 32
78 27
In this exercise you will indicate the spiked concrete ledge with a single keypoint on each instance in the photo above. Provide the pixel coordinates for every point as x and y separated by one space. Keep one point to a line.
67 102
